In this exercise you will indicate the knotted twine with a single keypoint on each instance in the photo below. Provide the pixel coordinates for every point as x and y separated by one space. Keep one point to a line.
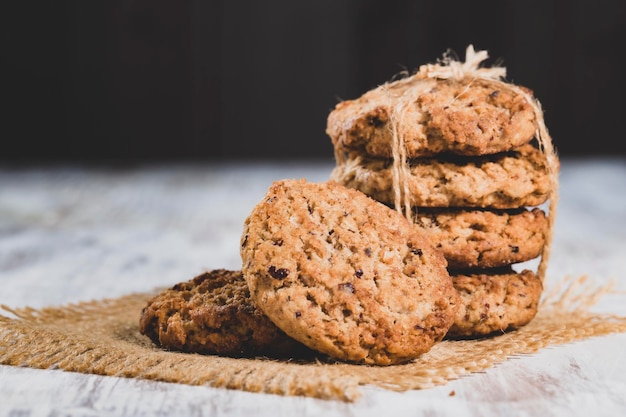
468 72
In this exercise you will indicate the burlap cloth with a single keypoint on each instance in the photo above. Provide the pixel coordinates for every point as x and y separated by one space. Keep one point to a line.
102 337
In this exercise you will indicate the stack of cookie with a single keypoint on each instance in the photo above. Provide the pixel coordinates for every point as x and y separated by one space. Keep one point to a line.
466 156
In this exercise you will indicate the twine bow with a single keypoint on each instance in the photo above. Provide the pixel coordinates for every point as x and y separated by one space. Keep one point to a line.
448 67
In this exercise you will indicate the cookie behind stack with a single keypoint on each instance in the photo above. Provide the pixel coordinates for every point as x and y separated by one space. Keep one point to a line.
213 314
466 156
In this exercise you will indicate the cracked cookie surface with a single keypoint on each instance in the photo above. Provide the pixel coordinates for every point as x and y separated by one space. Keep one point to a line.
464 117
213 314
485 238
346 275
507 180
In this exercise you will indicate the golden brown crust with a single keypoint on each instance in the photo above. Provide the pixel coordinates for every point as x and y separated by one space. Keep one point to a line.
494 301
467 117
485 238
213 314
346 275
507 180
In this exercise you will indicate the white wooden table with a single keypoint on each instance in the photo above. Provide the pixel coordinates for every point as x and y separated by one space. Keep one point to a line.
70 234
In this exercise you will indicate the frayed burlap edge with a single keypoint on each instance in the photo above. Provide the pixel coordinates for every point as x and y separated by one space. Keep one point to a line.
102 337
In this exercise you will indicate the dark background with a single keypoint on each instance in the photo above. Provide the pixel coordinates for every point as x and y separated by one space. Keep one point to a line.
228 79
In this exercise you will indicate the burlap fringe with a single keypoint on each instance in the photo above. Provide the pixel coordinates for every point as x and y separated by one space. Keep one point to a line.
102 337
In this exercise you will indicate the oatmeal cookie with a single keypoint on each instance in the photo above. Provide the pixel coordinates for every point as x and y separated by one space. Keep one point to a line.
494 301
465 117
213 314
346 275
506 180
485 238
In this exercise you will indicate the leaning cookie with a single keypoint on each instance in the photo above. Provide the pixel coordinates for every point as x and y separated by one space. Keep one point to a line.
213 314
494 301
507 180
482 238
465 117
346 275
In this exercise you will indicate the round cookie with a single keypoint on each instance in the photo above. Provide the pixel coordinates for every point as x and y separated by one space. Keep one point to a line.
502 181
485 238
464 117
346 275
494 301
213 314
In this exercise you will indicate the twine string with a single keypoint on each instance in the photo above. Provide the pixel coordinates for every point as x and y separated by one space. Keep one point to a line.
401 95
469 71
